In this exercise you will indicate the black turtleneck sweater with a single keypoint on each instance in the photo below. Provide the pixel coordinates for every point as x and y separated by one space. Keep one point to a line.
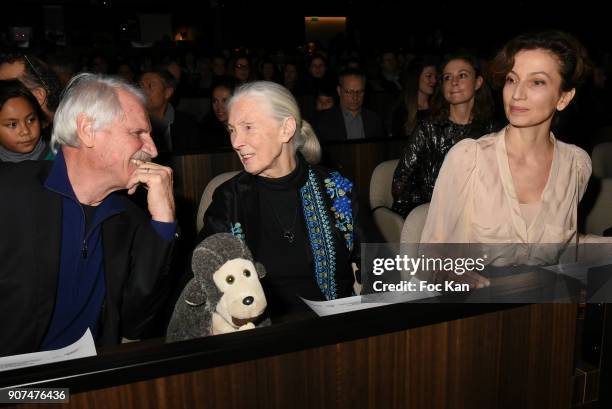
289 266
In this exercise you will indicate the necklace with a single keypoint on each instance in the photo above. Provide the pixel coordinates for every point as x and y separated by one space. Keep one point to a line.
287 233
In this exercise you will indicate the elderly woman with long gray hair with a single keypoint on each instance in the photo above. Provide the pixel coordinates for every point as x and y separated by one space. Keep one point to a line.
298 218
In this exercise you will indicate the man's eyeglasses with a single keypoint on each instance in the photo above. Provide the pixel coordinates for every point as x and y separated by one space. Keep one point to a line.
241 66
353 92
36 73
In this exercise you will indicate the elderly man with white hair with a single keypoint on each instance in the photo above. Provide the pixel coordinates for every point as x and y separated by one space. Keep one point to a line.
76 253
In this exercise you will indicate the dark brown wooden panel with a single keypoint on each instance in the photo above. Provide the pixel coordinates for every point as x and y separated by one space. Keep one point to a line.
518 358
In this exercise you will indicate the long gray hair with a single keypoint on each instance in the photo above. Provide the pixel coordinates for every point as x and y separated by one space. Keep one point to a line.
283 105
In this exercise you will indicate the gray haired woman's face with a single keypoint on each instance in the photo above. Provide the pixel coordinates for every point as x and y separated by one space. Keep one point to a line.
257 137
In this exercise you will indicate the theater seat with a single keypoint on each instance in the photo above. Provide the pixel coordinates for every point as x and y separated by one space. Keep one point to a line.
602 160
206 198
413 226
388 222
600 216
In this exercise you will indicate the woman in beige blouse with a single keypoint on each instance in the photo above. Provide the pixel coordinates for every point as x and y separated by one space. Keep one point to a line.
519 185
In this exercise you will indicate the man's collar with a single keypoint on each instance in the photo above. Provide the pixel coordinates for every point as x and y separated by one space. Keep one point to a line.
169 115
349 113
58 177
58 182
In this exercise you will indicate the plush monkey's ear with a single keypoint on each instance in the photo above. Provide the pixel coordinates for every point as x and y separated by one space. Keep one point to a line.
193 294
261 270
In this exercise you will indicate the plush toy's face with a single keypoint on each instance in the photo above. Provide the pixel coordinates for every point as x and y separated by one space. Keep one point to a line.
243 298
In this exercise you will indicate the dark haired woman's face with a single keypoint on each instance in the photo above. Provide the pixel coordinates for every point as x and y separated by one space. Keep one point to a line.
532 92
19 125
324 102
459 82
317 68
290 73
218 66
427 80
242 69
220 95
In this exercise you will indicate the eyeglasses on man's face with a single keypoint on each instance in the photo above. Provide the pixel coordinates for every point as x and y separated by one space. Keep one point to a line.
36 73
353 92
241 66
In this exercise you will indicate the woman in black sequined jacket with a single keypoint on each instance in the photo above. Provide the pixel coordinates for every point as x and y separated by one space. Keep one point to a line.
463 108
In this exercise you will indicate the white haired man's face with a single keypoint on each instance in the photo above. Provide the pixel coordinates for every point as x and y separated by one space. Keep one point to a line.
126 140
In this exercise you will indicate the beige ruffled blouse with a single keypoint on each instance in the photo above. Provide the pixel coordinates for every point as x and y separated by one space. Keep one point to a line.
474 200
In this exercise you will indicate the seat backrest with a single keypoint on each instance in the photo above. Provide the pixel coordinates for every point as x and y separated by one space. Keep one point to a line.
414 223
600 216
207 195
380 184
602 160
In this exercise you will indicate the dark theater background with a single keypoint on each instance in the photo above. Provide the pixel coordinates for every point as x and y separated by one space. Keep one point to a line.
516 356
215 24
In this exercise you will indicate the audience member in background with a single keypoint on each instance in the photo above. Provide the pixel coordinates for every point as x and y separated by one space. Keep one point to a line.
317 69
218 67
325 99
297 218
173 131
202 76
267 71
389 77
419 86
353 63
99 64
64 66
175 69
349 120
125 71
462 108
317 77
241 69
291 79
20 124
519 185
181 88
214 125
36 75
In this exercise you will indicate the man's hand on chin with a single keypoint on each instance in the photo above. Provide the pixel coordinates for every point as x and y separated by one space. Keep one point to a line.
157 179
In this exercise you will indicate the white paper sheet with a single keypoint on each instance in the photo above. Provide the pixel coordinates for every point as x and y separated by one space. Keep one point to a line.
355 303
82 348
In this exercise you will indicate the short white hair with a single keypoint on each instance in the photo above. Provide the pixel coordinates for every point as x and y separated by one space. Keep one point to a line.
94 95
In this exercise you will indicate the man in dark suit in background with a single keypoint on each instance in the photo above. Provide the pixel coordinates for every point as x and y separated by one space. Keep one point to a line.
173 131
349 120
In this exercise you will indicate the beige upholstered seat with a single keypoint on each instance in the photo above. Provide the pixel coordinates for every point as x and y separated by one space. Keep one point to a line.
413 226
602 160
600 216
388 222
206 198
